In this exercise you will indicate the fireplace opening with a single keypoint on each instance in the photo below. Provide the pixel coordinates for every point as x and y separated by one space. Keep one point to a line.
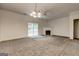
48 32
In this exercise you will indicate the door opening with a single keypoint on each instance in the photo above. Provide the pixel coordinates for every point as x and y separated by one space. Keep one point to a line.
76 29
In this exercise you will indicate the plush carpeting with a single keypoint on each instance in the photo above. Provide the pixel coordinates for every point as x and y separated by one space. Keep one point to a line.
46 46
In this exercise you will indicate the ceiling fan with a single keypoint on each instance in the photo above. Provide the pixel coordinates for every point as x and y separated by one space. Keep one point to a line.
37 13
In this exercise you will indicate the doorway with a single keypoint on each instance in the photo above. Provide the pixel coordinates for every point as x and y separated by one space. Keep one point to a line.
76 29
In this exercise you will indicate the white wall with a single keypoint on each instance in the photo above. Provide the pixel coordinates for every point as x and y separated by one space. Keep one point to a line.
64 26
60 26
14 25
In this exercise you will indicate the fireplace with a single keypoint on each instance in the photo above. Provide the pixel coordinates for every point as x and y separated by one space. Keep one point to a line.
48 32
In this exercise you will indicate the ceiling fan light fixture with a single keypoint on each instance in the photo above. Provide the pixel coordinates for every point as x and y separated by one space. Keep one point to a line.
33 13
36 14
39 14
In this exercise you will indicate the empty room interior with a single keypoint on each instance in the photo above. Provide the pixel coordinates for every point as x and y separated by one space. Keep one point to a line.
39 29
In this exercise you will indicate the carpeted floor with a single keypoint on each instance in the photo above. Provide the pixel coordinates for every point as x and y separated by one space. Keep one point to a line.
47 46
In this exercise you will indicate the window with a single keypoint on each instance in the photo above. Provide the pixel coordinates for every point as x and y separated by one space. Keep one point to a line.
32 29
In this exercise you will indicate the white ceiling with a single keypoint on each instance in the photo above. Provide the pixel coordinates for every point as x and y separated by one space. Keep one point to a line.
53 10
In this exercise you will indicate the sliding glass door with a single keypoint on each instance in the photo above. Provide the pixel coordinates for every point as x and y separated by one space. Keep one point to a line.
32 29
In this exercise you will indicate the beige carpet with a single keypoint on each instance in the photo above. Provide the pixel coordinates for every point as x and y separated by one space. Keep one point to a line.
47 46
